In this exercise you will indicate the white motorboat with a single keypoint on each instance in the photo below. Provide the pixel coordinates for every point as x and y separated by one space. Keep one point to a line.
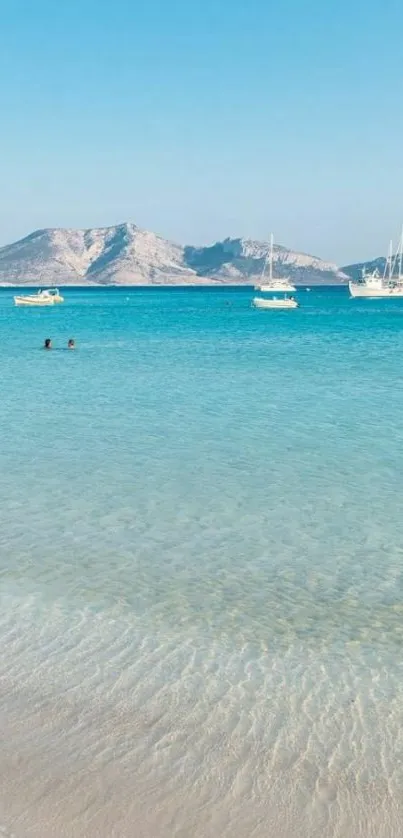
375 285
43 297
275 285
275 302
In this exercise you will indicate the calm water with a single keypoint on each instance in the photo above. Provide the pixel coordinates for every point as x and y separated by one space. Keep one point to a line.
201 567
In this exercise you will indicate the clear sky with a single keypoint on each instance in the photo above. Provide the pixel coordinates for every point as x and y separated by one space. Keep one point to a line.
200 119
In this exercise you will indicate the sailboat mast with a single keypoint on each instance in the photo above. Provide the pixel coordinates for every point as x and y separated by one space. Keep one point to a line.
271 257
397 261
387 263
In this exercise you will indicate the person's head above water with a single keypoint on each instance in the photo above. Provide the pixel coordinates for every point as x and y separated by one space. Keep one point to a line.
47 344
71 344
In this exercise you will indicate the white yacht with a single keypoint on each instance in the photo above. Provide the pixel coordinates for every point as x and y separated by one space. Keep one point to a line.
43 297
275 285
389 284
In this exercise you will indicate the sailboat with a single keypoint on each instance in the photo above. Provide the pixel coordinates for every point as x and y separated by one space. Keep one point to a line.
275 285
390 284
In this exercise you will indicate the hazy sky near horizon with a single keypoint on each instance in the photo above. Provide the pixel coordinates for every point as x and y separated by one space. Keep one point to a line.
200 119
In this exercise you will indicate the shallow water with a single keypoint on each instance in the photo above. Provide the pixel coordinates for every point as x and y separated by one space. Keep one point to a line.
201 567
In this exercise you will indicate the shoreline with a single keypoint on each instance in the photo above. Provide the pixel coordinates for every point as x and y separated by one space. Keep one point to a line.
168 286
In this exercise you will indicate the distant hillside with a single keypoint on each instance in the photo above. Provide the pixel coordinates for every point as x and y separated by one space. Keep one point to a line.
242 261
126 255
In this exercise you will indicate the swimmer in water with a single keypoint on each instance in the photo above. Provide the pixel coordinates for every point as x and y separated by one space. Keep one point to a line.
47 344
71 344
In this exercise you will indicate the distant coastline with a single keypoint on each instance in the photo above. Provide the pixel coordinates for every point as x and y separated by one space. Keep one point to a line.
216 286
128 255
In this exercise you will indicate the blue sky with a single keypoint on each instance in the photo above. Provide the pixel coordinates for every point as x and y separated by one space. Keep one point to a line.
205 119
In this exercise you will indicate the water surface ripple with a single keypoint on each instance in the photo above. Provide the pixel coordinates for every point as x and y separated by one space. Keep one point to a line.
201 567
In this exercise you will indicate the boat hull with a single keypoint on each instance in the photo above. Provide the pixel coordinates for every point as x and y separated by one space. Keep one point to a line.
279 288
259 302
25 301
358 290
42 299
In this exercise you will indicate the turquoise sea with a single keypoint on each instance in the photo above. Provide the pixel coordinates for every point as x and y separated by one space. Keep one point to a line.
201 561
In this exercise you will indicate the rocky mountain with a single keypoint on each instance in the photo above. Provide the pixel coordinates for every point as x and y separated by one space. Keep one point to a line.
122 255
127 255
241 261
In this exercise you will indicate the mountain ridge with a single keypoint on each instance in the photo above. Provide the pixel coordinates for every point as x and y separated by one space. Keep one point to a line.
124 254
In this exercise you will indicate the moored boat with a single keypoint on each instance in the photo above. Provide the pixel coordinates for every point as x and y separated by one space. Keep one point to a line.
43 297
375 285
275 302
275 285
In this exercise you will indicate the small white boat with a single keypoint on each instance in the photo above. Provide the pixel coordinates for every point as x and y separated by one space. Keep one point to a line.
43 297
275 302
275 285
